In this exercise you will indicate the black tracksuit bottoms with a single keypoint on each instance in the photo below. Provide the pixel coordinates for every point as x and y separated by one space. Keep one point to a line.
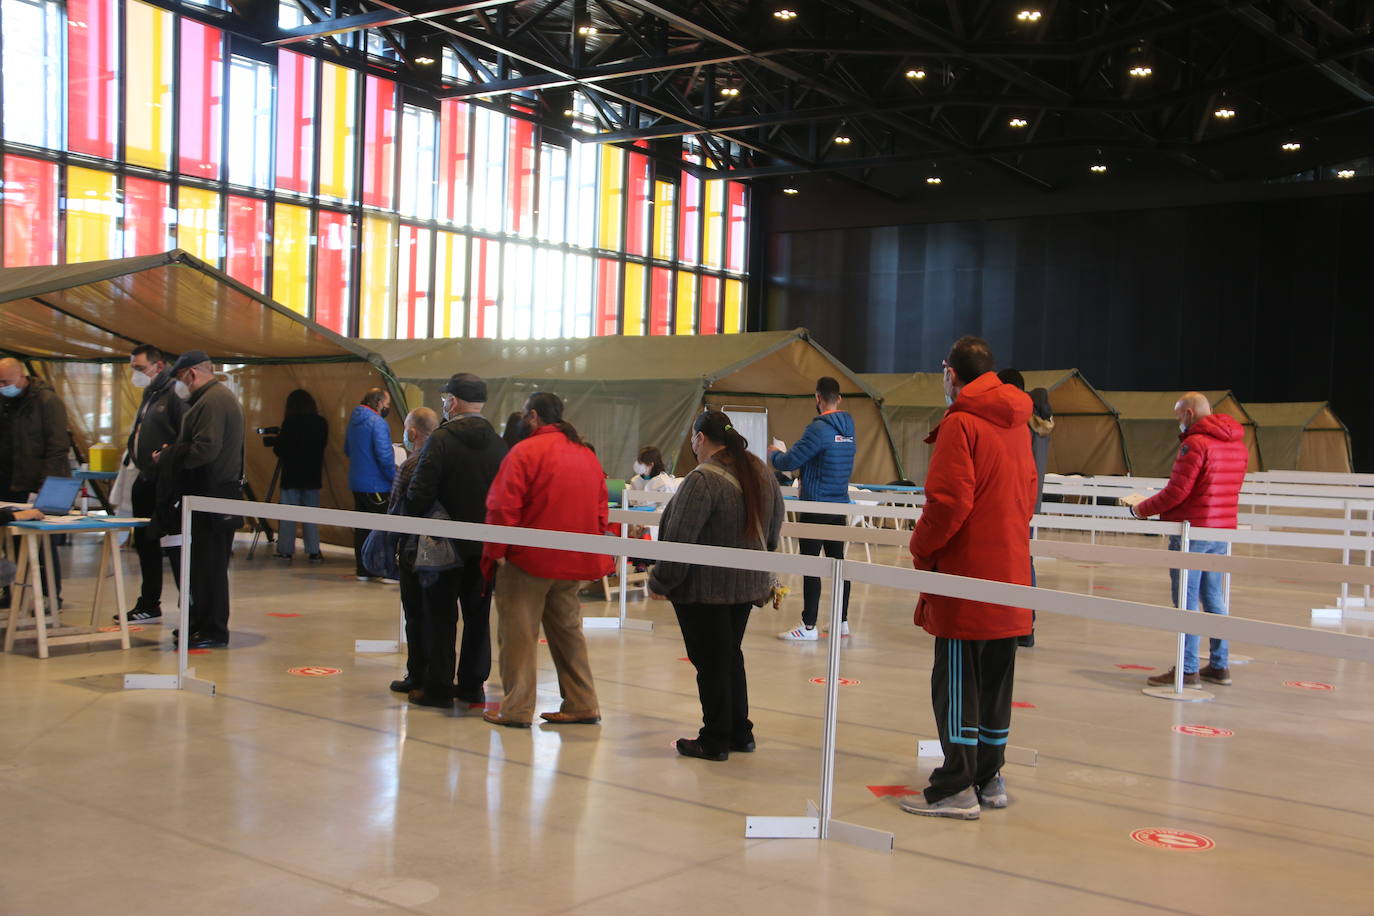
970 687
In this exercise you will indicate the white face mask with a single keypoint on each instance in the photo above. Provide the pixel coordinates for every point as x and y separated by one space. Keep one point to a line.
641 469
948 380
140 380
182 391
1183 427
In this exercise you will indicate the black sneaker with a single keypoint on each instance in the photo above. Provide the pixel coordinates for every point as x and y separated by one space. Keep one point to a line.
142 614
317 558
282 556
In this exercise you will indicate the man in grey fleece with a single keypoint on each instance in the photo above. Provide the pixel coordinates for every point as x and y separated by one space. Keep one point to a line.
208 455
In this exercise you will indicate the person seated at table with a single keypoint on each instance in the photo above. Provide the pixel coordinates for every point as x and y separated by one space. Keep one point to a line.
650 473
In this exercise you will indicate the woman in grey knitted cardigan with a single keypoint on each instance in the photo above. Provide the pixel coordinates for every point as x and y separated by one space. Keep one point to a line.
729 500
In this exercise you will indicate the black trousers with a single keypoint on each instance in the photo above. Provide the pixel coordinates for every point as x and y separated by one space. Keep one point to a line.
365 502
57 540
413 607
970 687
451 591
148 545
811 586
713 634
212 539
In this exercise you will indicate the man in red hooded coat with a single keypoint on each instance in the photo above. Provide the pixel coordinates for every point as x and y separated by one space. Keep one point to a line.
980 494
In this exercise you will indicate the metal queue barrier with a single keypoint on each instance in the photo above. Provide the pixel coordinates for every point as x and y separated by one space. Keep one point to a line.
818 821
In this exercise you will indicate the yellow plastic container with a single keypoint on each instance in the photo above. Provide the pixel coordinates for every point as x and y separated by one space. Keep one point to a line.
104 457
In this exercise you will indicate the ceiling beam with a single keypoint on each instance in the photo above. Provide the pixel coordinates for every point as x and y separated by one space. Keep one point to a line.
374 19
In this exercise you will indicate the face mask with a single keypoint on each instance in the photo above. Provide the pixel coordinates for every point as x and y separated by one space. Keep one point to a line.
948 380
182 391
11 391
407 441
1183 427
641 469
385 412
140 380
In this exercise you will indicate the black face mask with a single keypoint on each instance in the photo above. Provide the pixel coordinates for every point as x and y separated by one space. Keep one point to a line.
385 411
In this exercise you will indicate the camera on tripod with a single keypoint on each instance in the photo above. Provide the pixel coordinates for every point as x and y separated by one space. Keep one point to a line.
269 435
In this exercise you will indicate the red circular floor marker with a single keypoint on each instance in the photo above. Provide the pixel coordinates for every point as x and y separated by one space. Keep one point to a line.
684 659
1019 705
1203 731
314 671
197 651
114 628
1308 685
1163 838
279 614
844 681
1136 667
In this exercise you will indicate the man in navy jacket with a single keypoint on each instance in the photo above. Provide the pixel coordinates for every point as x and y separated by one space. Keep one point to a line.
371 463
825 456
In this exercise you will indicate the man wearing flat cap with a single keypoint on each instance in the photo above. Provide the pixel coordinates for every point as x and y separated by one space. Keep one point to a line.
206 460
456 469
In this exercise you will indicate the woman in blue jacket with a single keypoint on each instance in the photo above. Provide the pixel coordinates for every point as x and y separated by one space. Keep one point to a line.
371 463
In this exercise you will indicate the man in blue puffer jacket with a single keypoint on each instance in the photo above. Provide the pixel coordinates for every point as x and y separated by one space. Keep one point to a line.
371 463
825 456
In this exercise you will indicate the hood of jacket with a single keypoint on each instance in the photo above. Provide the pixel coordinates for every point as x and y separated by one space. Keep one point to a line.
474 430
988 398
1217 426
363 415
842 421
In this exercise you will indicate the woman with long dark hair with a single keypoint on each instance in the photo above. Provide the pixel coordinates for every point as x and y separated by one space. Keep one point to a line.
729 500
300 449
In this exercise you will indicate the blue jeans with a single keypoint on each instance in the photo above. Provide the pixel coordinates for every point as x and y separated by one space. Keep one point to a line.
1210 585
286 538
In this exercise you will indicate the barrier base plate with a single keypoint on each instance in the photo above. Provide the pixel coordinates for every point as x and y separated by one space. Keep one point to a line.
792 828
1189 694
600 623
150 682
382 646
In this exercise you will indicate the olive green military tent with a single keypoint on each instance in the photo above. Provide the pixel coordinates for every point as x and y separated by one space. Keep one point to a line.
1086 438
1150 428
76 324
1301 436
626 392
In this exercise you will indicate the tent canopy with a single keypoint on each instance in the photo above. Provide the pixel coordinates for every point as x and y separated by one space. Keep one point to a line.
1151 429
1086 437
626 392
76 325
1301 436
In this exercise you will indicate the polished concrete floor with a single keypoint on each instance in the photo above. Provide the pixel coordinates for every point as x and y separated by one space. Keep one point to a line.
288 794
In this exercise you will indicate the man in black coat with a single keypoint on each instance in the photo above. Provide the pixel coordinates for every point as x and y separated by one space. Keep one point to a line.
156 425
456 468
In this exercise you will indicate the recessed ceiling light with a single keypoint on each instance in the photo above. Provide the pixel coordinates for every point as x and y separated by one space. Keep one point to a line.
586 30
1141 71
785 14
569 113
1028 16
730 91
933 179
1346 173
1017 122
1224 114
842 140
1291 146
424 60
1097 168
790 191
916 73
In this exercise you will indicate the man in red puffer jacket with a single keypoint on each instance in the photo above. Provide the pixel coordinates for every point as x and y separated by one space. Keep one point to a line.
549 480
980 493
1203 490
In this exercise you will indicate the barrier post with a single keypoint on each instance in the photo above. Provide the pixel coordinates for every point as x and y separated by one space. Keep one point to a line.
1179 692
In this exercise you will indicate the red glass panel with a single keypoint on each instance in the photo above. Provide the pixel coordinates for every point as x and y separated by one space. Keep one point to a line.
486 282
147 206
91 84
607 297
520 178
736 213
453 162
247 229
661 301
640 198
295 121
379 144
333 247
710 305
202 90
689 220
30 212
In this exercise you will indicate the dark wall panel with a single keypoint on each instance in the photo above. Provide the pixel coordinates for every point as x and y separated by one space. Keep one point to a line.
1274 299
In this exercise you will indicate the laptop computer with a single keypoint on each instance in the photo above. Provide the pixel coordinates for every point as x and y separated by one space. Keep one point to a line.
56 495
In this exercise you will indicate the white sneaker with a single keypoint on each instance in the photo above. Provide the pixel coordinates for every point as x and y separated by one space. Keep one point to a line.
844 628
800 634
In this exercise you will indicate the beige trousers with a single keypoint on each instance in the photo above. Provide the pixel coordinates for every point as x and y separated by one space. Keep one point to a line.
523 602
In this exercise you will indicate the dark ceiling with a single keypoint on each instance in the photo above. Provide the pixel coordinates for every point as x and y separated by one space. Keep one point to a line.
922 90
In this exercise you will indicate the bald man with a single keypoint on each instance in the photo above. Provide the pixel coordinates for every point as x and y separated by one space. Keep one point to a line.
419 425
1203 490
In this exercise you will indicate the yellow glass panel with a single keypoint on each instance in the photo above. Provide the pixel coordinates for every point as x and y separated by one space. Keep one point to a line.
92 208
198 223
291 257
734 306
686 302
715 223
665 196
633 311
378 300
450 278
338 88
148 86
612 187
